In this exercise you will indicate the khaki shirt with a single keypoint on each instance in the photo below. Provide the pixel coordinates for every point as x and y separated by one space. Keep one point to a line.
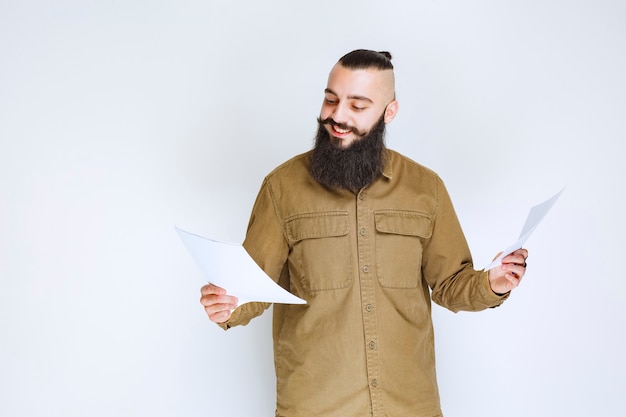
367 264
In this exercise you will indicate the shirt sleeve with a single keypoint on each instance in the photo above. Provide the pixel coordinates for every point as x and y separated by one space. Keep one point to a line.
447 263
265 242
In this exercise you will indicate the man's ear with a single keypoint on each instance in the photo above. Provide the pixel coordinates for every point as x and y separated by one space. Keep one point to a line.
391 111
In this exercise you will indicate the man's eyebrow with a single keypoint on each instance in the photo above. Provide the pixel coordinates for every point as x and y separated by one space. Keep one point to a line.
353 97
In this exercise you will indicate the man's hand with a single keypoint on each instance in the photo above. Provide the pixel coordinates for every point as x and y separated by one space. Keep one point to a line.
217 304
509 273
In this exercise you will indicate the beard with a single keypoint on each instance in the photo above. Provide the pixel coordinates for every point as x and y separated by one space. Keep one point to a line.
352 168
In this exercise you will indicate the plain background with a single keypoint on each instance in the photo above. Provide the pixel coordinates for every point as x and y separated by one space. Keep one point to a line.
122 119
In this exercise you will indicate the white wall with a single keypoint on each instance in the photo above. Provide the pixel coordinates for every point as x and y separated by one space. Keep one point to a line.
119 120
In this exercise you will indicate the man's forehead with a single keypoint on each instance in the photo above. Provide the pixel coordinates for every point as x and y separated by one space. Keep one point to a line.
368 83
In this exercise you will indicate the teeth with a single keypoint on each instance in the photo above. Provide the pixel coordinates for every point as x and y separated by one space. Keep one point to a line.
339 130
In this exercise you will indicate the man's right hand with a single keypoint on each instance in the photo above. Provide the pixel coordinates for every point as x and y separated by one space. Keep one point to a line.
217 304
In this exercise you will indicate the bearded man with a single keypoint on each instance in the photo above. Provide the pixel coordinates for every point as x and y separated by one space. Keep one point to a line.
367 237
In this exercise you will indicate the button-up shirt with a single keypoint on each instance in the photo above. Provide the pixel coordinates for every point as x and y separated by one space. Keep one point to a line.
367 264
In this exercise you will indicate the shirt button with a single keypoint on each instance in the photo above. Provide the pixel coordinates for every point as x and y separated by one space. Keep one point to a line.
369 308
366 269
374 383
372 345
362 231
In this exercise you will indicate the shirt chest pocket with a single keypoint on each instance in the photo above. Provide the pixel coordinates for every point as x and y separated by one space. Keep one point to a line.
399 238
320 257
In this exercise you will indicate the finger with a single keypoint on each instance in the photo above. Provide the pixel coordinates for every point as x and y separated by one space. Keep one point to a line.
212 289
218 308
221 316
515 270
219 313
521 252
211 299
513 280
518 257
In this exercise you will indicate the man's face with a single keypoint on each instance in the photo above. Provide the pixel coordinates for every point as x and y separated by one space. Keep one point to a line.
354 101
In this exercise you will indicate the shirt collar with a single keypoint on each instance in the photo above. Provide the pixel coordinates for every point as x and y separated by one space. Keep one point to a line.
387 172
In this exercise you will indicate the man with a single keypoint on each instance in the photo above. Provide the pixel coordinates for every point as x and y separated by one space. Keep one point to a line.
367 237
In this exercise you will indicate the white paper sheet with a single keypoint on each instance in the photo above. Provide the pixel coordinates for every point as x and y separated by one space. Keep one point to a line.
229 266
536 214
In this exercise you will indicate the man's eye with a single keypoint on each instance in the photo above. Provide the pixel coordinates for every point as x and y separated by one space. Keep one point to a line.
330 101
357 108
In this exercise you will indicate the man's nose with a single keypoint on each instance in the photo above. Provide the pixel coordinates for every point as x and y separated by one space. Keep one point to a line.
340 113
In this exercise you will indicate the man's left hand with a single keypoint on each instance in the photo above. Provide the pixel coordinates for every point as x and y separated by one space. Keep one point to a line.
509 273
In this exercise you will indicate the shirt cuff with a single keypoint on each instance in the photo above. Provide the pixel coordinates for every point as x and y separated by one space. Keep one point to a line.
492 298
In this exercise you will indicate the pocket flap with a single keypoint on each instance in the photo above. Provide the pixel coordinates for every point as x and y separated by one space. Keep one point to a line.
403 222
317 225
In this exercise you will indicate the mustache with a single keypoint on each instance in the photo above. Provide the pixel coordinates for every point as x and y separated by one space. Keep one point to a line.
330 121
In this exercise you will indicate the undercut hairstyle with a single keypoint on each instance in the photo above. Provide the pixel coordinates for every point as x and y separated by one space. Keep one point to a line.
365 59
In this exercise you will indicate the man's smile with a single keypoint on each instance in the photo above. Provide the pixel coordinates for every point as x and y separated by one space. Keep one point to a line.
341 131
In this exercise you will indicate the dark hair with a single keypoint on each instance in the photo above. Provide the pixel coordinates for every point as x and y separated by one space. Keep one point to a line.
365 58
